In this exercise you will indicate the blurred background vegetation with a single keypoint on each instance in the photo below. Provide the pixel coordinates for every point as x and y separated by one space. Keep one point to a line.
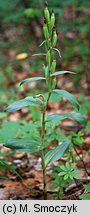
21 32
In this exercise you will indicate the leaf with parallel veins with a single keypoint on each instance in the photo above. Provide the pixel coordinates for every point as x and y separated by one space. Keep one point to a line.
24 145
31 80
76 116
61 72
68 96
56 153
28 101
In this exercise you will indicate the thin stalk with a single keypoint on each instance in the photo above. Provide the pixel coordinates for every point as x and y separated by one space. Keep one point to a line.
42 152
44 176
42 155
81 159
48 36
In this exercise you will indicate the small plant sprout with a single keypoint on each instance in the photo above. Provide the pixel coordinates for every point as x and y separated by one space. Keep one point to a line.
63 175
38 142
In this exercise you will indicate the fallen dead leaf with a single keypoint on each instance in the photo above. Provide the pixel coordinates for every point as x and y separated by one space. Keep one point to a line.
87 140
4 194
19 155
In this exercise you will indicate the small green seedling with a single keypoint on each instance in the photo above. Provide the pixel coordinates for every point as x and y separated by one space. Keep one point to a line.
62 176
76 140
39 142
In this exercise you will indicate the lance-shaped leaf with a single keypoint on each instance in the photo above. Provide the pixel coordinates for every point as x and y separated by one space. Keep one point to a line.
67 95
42 43
61 72
76 116
31 79
39 54
56 153
28 101
24 145
58 51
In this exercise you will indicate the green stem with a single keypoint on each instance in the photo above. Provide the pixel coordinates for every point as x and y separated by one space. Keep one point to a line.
42 155
44 176
42 152
43 125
